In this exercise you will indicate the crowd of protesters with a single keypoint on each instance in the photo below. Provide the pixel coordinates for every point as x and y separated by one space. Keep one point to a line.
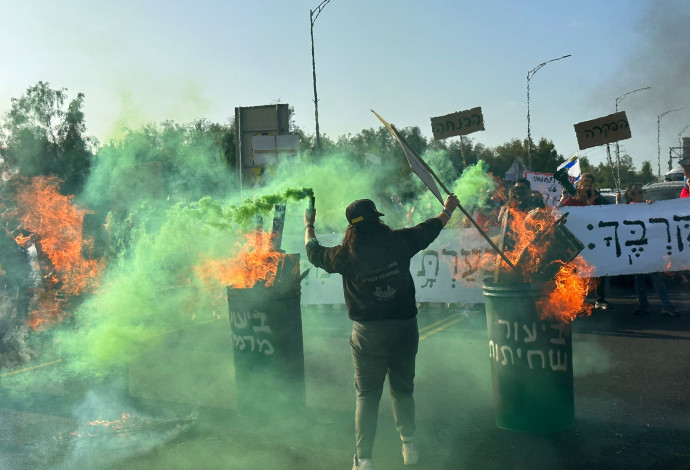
509 198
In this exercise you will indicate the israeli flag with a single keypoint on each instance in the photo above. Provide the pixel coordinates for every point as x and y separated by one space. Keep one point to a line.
573 167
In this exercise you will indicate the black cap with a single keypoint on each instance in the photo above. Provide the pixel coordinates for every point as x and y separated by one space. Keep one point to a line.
360 210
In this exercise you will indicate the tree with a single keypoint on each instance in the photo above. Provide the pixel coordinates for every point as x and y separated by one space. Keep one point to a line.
41 137
545 159
647 173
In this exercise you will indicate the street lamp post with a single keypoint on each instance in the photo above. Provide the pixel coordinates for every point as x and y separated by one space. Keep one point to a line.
658 139
530 74
313 14
618 156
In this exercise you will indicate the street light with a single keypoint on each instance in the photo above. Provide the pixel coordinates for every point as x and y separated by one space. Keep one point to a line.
530 74
312 19
658 139
618 158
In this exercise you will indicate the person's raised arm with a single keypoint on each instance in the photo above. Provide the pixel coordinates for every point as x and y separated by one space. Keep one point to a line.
449 206
309 218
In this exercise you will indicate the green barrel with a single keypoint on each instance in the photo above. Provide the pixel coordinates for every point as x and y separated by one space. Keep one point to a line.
268 349
531 360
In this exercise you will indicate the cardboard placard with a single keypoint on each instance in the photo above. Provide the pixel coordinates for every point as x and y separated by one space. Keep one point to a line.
604 130
460 123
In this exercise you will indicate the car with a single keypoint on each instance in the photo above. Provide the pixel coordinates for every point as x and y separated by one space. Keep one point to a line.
677 174
662 191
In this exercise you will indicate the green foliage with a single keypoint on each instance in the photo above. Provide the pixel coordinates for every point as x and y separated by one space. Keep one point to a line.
41 137
647 173
606 174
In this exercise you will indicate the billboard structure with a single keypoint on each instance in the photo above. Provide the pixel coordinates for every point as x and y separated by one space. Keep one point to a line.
263 141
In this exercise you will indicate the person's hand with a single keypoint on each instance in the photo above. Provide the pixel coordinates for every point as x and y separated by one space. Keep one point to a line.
309 217
451 203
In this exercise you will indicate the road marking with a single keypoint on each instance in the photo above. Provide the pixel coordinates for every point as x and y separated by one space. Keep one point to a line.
439 326
27 369
442 320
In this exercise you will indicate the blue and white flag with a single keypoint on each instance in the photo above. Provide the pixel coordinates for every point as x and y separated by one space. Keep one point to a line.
573 167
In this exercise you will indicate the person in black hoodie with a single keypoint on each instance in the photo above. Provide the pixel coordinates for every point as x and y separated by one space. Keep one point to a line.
374 261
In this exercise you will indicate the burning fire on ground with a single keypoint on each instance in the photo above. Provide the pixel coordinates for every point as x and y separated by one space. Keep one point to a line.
115 425
135 427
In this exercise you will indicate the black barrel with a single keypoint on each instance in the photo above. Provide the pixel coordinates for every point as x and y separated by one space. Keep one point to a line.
268 348
531 360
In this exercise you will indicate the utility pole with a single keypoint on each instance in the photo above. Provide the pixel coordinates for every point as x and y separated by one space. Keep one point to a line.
679 148
313 14
618 149
658 139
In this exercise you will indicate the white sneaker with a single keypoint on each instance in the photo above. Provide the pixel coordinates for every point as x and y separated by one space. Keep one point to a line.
409 452
362 464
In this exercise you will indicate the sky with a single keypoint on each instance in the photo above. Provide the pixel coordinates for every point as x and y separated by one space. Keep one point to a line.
146 61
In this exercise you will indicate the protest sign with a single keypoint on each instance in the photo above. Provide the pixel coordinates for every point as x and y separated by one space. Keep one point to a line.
460 123
547 185
604 130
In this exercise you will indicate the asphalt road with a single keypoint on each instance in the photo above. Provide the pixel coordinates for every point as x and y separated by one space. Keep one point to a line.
631 383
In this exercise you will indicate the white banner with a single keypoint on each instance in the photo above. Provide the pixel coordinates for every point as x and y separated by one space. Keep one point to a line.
633 238
618 239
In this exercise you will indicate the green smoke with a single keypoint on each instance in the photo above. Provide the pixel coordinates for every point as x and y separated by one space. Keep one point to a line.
144 294
246 212
159 165
474 185
337 180
153 289
154 237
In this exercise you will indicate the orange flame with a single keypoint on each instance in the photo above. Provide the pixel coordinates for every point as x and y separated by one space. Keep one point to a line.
571 284
48 311
256 262
567 300
55 223
114 423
